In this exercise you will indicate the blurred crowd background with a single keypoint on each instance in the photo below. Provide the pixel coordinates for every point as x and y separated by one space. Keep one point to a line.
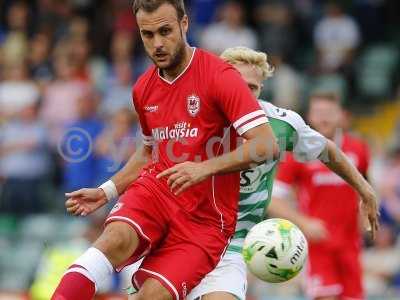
66 118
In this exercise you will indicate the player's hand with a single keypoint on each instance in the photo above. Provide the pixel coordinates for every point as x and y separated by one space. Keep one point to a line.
315 229
85 201
369 207
184 175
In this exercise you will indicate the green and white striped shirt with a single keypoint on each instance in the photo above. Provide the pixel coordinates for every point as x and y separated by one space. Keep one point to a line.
256 184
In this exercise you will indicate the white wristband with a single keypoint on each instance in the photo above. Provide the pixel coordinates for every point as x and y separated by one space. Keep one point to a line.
110 190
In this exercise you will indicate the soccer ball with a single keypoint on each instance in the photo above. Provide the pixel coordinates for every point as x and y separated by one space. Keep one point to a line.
275 250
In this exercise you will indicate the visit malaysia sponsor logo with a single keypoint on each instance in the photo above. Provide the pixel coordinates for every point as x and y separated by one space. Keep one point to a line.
177 131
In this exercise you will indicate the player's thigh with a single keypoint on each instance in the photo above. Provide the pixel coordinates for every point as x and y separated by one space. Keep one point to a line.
323 274
152 289
145 223
351 274
227 280
218 296
178 268
118 241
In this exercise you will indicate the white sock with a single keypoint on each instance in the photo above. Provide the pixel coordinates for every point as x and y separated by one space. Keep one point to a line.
97 265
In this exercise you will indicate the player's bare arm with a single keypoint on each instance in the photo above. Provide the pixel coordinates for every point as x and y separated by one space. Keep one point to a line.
337 161
85 201
255 151
313 228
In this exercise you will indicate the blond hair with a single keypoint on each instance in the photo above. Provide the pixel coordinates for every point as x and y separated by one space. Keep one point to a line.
237 55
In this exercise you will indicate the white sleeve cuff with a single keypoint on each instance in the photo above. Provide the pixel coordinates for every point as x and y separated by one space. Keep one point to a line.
148 140
110 190
250 121
248 117
252 124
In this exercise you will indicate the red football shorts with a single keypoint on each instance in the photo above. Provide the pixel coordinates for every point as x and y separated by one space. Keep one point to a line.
334 272
179 250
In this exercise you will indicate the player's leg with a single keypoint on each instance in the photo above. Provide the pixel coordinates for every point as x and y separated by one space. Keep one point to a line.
175 270
323 275
118 241
189 252
228 281
218 296
351 273
152 289
123 242
115 245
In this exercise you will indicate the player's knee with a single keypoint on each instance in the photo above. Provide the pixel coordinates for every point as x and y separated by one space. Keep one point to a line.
152 289
219 296
154 295
117 242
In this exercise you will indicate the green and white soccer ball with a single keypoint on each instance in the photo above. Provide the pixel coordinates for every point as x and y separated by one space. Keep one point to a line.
275 250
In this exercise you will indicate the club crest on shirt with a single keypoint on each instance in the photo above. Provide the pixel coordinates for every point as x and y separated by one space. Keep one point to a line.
193 105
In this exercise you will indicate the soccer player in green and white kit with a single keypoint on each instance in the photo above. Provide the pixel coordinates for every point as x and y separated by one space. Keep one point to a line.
256 184
228 280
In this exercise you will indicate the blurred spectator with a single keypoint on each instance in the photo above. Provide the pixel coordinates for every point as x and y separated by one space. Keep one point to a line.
24 160
307 12
285 85
203 11
110 17
60 99
78 142
381 263
17 90
15 46
201 14
116 144
18 17
369 15
79 51
230 31
78 28
54 17
274 20
122 45
122 48
390 189
40 46
119 89
90 68
124 19
336 38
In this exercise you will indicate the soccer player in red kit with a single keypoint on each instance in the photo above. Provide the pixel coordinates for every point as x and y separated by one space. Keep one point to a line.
179 209
329 208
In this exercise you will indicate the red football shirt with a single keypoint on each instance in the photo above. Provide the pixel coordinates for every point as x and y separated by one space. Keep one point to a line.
192 118
324 195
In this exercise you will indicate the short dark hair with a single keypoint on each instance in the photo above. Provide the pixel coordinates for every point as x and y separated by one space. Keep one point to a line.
328 96
152 5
